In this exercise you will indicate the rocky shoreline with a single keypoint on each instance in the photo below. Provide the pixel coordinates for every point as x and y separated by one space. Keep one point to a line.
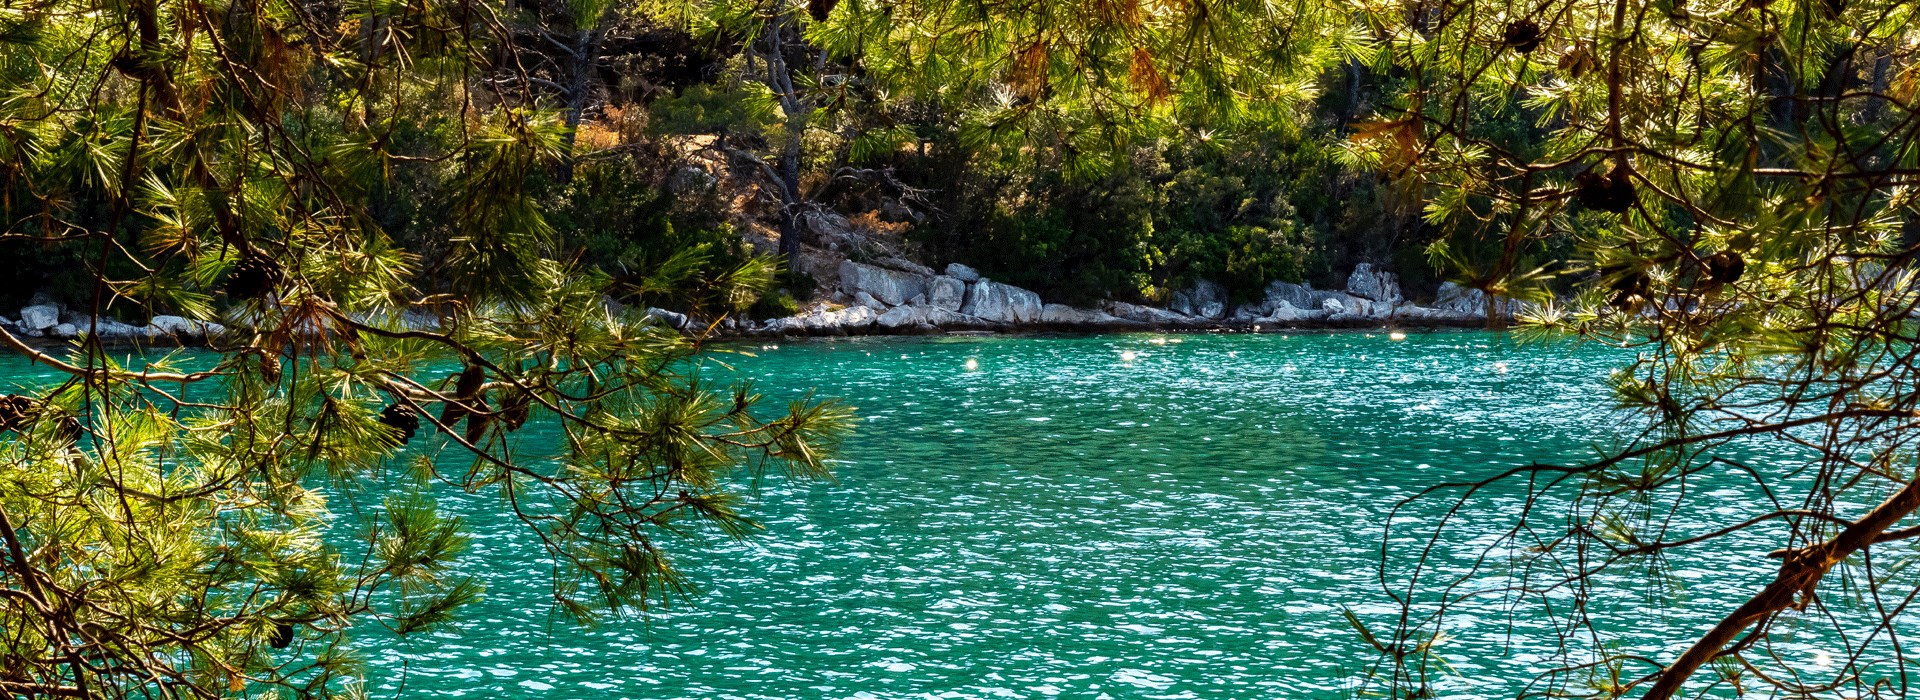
902 298
45 320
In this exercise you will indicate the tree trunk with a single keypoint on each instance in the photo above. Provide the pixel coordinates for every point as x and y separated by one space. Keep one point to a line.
779 77
789 171
586 49
1881 82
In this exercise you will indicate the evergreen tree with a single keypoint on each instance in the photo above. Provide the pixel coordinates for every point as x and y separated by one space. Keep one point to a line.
320 178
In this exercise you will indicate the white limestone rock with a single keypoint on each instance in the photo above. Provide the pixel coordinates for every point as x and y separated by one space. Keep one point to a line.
867 300
671 319
900 317
947 292
855 317
962 272
1001 303
893 287
1431 315
1471 302
105 329
1300 296
1206 299
827 321
39 317
1374 284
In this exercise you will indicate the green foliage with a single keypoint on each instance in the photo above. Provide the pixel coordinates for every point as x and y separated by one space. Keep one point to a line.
413 260
711 109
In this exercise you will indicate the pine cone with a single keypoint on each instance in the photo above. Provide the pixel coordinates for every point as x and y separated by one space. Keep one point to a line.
1613 192
254 277
1523 36
403 420
1724 267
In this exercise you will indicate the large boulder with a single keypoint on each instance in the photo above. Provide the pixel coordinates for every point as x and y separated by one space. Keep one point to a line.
855 317
962 272
901 317
1206 299
1467 301
39 317
946 292
892 287
670 319
1371 283
824 321
690 179
1001 303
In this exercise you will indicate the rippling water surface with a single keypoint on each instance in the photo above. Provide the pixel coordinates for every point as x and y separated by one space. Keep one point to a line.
1036 517
1060 520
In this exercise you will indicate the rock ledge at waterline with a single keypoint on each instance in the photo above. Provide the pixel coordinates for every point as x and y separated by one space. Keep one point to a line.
50 320
879 300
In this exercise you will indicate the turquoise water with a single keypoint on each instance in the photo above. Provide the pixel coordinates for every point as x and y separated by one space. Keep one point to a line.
1130 516
1062 521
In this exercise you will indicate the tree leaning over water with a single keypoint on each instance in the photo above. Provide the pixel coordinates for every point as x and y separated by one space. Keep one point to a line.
1739 177
213 523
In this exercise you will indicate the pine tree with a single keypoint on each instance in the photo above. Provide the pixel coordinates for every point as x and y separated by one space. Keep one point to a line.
173 527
